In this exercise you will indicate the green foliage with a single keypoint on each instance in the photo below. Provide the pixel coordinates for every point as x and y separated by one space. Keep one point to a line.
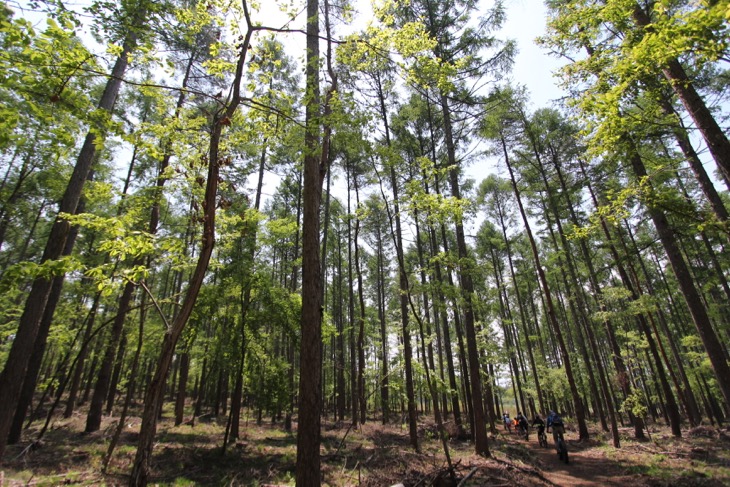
437 208
635 404
625 58
16 274
554 382
41 84
367 51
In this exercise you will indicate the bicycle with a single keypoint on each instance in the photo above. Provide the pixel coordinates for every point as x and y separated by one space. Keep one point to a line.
523 430
562 448
542 437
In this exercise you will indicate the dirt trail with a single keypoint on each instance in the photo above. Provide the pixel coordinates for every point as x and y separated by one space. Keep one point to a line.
588 466
584 470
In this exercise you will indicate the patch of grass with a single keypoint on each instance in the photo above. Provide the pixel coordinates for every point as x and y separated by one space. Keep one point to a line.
123 450
22 476
182 482
703 470
606 448
657 466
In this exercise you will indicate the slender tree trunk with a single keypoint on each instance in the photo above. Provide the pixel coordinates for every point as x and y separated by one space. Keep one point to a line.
130 387
459 333
347 398
93 420
154 395
403 283
692 298
116 373
384 396
310 387
427 357
479 431
617 356
202 386
249 243
91 369
293 285
16 365
355 343
581 318
78 370
426 351
155 390
521 306
31 233
339 352
440 303
182 388
407 347
34 365
237 397
646 324
361 319
510 341
552 318
15 194
708 188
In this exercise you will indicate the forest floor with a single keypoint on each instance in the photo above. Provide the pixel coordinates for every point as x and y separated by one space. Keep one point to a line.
374 455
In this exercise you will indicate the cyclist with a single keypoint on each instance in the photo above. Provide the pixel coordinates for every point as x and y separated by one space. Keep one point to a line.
521 423
555 422
540 424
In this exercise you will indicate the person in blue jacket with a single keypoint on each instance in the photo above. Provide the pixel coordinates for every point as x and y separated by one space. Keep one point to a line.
555 422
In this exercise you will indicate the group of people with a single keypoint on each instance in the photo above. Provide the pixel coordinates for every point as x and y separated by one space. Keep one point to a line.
520 422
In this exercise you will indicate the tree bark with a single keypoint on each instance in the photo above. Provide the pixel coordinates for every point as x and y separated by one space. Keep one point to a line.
34 365
154 395
310 387
361 318
93 419
182 388
479 432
